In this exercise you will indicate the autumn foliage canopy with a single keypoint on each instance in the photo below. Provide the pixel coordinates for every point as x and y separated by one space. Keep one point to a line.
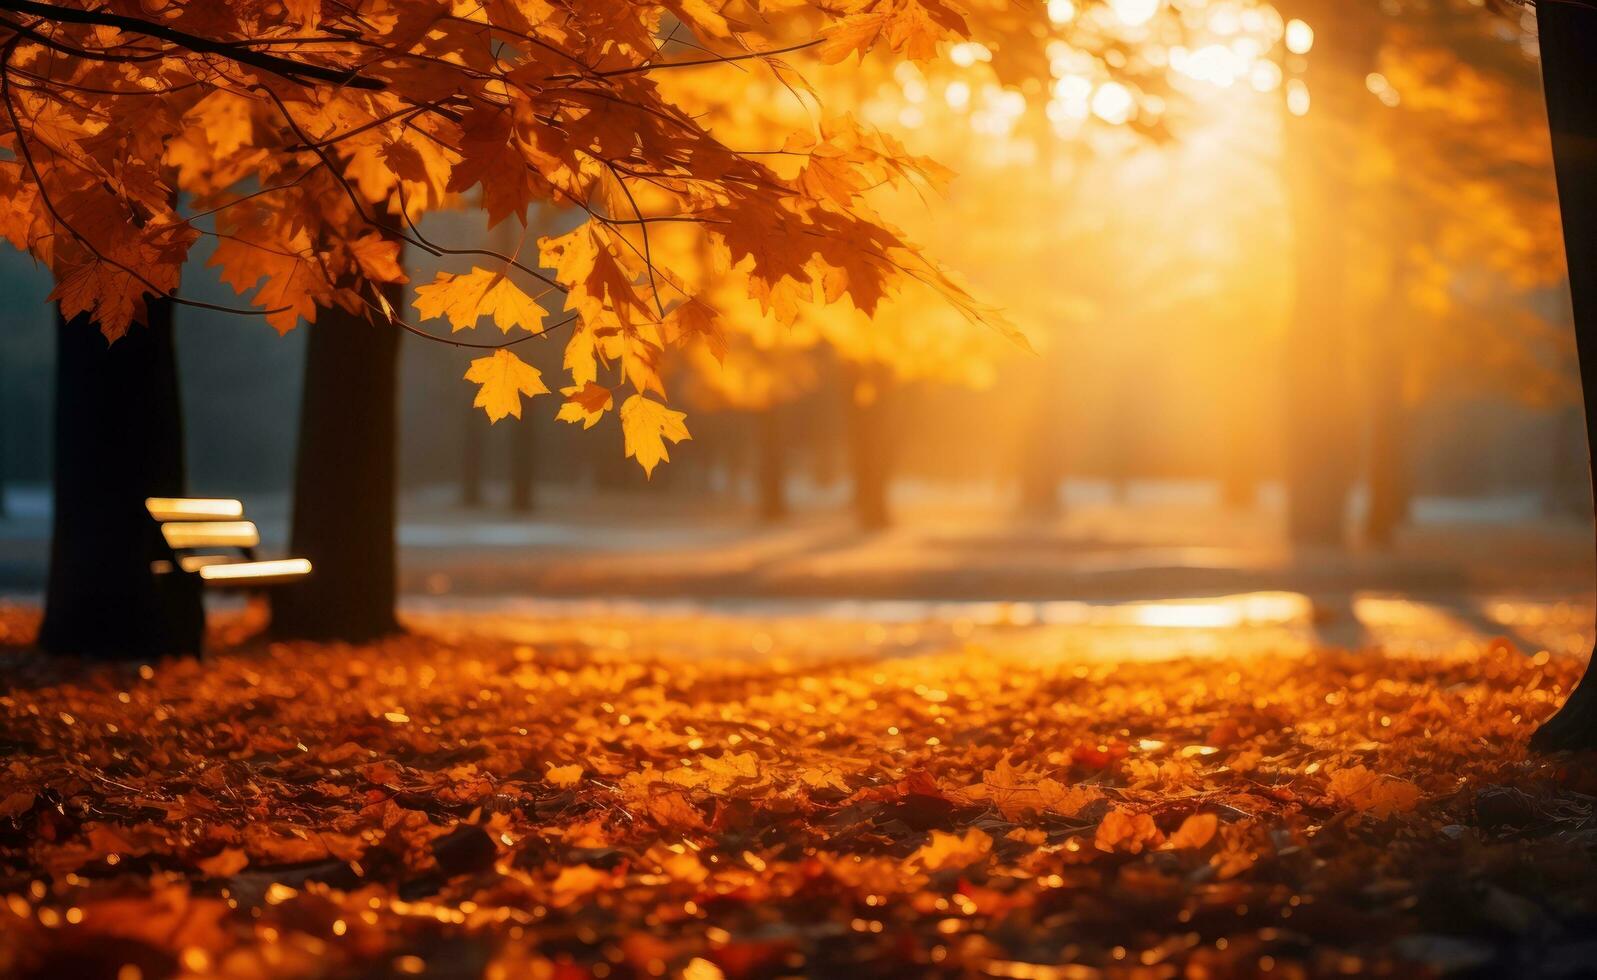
309 138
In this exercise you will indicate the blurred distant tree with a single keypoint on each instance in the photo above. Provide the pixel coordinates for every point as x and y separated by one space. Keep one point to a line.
1423 215
523 467
1568 35
472 459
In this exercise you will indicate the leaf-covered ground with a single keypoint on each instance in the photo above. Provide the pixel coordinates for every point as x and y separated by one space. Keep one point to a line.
601 803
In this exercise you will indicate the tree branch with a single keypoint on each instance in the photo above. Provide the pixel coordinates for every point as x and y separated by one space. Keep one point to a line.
295 71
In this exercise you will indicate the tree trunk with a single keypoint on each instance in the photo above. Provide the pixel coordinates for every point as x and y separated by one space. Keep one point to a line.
1387 462
771 470
869 446
523 459
471 456
118 439
1320 430
1041 468
1239 491
344 483
3 455
1569 76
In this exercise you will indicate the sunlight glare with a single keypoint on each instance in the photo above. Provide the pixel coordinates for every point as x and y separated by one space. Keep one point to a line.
1135 13
1061 11
1299 36
1113 103
1297 97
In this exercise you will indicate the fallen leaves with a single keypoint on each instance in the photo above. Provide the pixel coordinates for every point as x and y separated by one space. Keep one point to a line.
1371 792
546 809
945 851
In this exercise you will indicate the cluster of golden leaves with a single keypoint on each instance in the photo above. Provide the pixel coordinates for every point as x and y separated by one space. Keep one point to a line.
308 137
569 808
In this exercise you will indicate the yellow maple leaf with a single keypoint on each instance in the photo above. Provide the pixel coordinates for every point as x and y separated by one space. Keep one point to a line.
1123 830
952 850
1372 793
585 403
563 776
504 378
378 258
646 424
464 297
1194 832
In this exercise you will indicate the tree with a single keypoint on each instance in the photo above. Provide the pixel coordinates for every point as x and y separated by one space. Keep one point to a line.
1568 37
1423 217
344 483
309 140
118 440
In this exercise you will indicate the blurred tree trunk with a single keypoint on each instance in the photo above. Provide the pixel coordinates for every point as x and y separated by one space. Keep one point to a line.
771 471
118 439
1320 455
1569 77
869 444
1239 487
523 464
1039 484
1387 465
1041 466
475 428
612 470
1386 462
344 482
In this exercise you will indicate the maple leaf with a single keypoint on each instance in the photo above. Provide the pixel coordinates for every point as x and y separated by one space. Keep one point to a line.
1374 793
953 850
1195 831
646 424
1127 831
504 378
585 404
564 776
463 298
378 257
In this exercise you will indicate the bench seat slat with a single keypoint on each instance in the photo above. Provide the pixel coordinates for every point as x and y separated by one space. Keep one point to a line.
210 534
252 573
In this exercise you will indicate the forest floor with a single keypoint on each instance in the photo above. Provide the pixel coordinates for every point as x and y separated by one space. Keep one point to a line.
705 796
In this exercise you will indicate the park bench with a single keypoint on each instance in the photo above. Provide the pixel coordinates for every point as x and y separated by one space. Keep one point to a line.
210 538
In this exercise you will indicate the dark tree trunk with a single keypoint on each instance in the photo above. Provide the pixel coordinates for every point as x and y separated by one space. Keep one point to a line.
344 483
523 468
3 454
1569 74
471 456
118 440
869 446
1569 77
771 471
1387 462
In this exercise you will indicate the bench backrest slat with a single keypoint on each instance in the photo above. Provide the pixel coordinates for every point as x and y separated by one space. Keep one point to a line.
165 509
